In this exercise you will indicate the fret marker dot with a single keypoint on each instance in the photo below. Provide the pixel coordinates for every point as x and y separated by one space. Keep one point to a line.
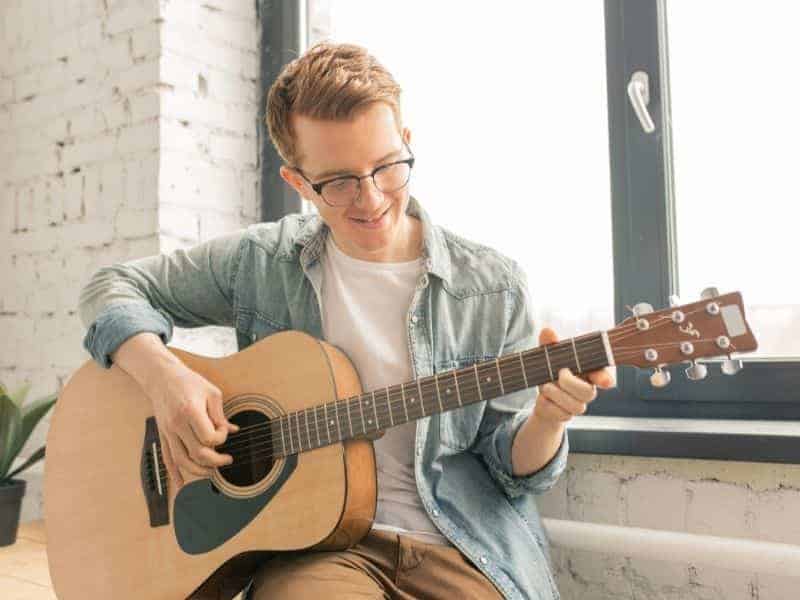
331 421
369 421
447 391
488 379
412 399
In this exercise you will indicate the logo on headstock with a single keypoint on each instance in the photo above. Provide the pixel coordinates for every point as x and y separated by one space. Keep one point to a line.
689 329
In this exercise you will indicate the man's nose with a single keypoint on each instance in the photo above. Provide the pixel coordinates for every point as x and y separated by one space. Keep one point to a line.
369 194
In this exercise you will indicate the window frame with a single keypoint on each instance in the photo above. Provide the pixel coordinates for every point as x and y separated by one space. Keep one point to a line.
646 270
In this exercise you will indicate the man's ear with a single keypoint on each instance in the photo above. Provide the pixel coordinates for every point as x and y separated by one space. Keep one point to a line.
292 178
407 135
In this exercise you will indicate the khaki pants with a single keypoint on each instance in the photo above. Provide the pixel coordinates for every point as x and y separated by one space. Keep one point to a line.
383 565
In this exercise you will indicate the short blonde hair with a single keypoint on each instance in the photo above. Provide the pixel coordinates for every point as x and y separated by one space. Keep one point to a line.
329 81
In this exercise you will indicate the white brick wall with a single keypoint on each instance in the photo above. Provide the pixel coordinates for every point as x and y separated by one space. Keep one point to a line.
720 498
127 127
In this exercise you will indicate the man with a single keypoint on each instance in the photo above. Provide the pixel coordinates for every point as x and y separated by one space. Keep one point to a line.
404 299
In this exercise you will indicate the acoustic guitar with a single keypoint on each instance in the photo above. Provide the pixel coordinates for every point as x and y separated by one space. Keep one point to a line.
303 476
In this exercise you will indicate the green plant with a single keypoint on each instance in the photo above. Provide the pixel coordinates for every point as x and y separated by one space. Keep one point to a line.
17 421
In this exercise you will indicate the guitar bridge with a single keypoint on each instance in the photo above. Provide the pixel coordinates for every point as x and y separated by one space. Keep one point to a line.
154 476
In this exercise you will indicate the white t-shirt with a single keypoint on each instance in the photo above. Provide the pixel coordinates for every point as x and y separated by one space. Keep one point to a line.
364 310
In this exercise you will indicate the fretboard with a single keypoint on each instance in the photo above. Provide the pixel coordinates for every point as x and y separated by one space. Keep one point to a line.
381 409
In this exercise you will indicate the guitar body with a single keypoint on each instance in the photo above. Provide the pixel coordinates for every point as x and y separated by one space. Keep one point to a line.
113 532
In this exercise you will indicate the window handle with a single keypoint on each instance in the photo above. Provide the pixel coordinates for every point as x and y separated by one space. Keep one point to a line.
639 94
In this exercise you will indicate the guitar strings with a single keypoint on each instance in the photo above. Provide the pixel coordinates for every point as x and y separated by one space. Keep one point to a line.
356 424
263 447
556 353
231 444
619 333
395 397
472 386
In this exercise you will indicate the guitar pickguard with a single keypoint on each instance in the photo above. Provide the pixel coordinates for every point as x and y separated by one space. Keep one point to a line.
205 518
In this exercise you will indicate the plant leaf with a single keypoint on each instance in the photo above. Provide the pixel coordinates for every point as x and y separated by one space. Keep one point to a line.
33 458
19 396
31 415
10 424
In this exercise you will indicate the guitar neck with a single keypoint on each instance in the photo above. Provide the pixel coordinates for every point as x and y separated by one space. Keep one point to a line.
377 410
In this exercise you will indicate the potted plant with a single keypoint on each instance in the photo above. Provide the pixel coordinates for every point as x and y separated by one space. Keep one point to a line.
16 424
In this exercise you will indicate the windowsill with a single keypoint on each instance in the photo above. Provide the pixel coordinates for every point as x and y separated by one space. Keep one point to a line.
729 439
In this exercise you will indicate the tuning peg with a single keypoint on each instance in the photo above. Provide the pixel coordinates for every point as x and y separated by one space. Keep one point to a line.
643 308
709 292
696 372
659 378
674 300
731 366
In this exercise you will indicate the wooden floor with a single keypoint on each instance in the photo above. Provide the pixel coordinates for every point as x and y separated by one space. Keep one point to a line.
23 566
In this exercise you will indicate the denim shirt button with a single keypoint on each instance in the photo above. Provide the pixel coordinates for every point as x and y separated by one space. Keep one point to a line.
414 318
253 336
484 559
435 512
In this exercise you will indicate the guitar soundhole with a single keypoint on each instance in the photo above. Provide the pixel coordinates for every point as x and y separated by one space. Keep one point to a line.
250 447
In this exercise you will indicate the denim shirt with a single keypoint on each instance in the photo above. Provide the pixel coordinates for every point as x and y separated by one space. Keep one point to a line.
471 303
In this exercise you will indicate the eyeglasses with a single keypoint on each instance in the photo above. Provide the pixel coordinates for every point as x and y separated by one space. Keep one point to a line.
343 191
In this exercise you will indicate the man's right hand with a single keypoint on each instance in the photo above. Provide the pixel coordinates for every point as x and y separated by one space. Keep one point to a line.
190 420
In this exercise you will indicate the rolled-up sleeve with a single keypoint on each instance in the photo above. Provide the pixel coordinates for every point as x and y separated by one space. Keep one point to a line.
186 288
504 415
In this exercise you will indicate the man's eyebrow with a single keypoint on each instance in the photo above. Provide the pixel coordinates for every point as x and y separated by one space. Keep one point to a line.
345 172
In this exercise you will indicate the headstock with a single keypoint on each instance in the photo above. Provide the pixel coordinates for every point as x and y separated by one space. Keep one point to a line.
713 326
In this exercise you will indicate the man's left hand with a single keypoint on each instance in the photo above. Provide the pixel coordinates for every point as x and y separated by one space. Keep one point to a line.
559 401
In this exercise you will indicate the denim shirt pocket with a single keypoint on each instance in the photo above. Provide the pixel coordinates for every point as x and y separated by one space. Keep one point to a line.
253 326
459 427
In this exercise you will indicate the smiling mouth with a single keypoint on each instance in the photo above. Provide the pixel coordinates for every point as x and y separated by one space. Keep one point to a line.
371 220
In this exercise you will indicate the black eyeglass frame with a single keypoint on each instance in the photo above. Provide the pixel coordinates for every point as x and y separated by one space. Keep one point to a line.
317 187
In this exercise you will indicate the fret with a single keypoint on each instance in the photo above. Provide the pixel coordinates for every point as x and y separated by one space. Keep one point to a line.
500 377
448 395
522 366
338 424
283 436
549 366
458 392
478 380
405 406
575 352
327 422
375 410
438 392
289 428
421 397
349 418
308 430
489 380
316 423
389 406
363 421
297 424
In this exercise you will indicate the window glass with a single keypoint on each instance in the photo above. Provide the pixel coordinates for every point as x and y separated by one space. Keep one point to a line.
508 116
735 90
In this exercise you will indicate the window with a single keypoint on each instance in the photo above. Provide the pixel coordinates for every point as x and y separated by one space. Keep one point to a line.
601 213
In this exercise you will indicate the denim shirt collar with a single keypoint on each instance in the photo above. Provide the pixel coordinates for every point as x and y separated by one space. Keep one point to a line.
314 232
